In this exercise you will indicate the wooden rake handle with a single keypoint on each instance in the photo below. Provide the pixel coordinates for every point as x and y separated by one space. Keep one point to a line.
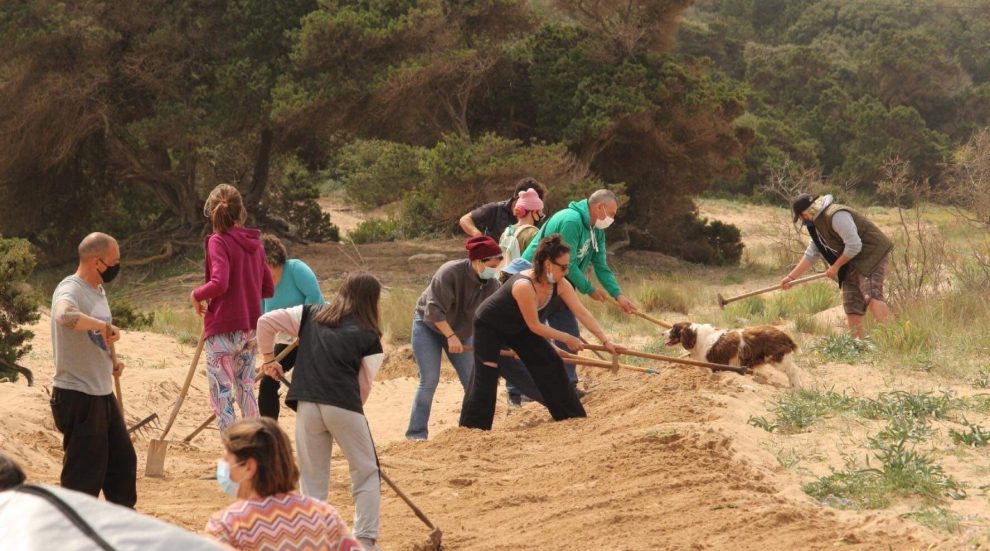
116 379
672 359
722 301
185 387
650 319
281 356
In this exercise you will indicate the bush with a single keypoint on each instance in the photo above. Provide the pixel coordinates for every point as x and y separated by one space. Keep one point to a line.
127 316
18 306
375 231
377 172
295 200
460 174
695 240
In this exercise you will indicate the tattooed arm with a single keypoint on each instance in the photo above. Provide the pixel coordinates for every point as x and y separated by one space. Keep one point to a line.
68 315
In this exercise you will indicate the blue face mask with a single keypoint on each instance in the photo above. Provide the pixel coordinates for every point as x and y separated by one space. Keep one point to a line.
228 486
488 273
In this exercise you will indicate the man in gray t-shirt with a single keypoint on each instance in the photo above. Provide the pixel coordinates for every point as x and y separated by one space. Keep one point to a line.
99 454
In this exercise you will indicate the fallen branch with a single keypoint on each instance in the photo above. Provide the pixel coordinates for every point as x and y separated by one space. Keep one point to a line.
19 369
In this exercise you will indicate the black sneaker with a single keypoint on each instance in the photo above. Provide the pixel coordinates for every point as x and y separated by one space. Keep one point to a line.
515 400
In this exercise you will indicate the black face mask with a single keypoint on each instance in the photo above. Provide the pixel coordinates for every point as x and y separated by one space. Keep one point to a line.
110 273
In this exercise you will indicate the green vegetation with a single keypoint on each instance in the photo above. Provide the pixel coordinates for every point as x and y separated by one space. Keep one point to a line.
18 306
806 300
843 348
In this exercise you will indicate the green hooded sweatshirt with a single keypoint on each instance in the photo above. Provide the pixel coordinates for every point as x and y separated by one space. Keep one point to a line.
574 226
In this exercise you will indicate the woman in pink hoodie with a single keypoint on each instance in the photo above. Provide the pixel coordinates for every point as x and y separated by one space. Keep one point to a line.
236 281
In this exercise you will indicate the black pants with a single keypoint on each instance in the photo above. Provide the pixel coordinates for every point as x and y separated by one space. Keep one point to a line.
99 454
268 404
543 364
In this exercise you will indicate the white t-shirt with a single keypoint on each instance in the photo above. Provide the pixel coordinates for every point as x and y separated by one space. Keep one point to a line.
82 359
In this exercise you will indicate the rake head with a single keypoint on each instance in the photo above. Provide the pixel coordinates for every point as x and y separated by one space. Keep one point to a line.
721 301
141 427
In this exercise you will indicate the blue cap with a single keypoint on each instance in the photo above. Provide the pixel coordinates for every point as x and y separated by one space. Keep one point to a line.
517 266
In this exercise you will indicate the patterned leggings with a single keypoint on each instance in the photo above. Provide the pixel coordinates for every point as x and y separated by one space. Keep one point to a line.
230 370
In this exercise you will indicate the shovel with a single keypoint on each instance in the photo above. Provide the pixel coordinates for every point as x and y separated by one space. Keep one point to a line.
155 466
722 301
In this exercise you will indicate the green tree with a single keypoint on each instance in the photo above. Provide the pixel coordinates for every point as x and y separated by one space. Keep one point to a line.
18 306
151 96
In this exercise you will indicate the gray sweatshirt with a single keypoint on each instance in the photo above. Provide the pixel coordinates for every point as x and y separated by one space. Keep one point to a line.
453 295
842 223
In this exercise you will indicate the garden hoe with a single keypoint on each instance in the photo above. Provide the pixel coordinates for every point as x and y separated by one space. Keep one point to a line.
722 301
436 535
157 447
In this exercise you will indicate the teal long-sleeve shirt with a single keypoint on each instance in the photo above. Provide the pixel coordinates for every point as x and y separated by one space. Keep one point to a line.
574 226
297 286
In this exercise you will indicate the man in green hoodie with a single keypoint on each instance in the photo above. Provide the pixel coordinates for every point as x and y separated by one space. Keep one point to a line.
582 226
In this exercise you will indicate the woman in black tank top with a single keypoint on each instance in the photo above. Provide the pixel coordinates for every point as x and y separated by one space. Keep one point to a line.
513 318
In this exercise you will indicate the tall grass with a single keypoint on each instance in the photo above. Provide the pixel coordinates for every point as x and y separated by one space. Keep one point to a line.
664 296
948 333
182 324
807 299
397 307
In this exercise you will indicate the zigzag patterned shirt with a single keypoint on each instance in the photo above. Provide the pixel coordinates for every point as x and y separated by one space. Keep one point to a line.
282 521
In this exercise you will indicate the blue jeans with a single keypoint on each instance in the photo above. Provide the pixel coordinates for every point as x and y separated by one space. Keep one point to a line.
428 344
564 320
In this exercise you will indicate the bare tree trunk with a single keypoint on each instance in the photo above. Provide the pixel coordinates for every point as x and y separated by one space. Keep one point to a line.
259 181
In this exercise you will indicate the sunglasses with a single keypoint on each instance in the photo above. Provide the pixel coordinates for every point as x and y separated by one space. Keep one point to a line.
564 267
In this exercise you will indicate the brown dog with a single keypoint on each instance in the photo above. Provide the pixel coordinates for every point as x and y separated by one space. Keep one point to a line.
750 347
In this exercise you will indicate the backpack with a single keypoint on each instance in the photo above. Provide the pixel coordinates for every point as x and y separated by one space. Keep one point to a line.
509 244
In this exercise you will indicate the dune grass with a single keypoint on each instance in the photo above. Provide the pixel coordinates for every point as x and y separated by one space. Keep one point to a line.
807 300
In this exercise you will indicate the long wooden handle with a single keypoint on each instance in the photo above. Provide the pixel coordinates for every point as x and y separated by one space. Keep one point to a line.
116 379
723 301
422 516
672 359
185 387
650 319
281 355
590 362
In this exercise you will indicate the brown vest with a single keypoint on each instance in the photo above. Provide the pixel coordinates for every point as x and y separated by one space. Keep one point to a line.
875 243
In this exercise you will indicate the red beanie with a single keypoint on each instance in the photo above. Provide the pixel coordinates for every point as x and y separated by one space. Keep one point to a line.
482 247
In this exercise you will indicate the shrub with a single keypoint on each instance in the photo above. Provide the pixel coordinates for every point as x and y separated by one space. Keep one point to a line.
460 174
295 199
843 348
375 230
18 306
377 172
127 316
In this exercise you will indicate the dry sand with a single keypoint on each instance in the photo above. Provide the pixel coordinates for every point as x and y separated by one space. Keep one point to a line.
663 462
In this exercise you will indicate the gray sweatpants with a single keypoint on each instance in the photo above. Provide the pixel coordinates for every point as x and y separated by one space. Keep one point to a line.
317 425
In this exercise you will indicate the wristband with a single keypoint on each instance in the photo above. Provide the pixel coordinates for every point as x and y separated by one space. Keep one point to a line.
449 336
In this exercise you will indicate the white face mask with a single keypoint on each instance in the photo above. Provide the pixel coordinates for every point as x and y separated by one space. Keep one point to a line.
488 273
604 222
551 279
228 486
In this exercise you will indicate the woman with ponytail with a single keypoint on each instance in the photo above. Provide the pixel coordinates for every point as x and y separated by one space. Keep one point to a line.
514 318
237 279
